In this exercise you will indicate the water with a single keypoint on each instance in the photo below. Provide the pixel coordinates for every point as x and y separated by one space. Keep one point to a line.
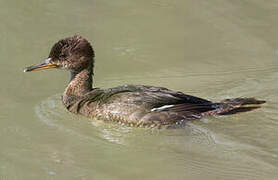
214 50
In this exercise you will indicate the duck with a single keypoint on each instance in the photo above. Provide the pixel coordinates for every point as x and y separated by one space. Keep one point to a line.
131 105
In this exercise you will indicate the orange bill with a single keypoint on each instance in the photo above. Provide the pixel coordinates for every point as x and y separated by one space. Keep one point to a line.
46 64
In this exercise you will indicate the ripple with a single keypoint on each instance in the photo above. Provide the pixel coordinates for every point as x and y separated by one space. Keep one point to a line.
48 110
202 135
197 149
52 113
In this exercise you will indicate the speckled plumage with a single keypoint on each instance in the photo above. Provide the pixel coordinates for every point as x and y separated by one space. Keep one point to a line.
129 104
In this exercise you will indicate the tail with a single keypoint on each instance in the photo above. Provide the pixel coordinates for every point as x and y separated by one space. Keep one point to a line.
236 105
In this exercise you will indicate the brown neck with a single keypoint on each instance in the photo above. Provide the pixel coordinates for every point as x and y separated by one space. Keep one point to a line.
80 83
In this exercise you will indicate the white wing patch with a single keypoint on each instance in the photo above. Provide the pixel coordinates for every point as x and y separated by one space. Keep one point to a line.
161 108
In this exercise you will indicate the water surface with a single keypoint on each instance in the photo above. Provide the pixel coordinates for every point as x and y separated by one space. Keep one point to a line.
215 50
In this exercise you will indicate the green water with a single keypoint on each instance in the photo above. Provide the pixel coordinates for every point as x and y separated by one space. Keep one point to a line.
212 49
